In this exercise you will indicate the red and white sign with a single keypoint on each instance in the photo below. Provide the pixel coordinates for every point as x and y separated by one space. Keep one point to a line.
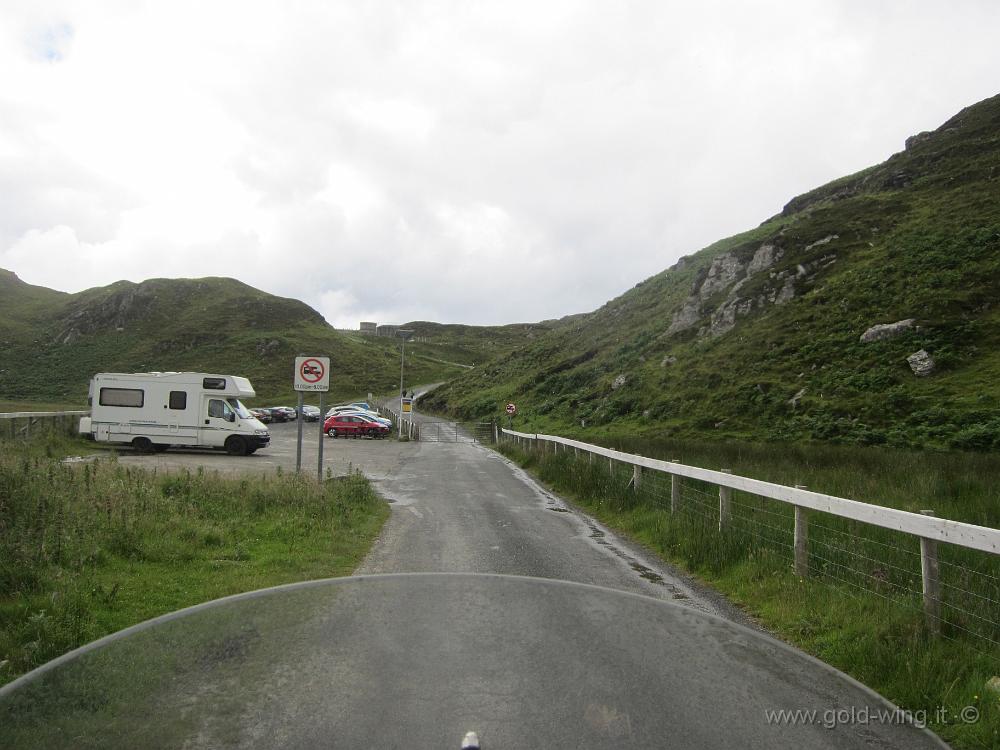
511 409
312 374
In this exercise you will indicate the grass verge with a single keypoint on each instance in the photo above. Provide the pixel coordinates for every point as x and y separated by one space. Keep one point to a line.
88 549
859 610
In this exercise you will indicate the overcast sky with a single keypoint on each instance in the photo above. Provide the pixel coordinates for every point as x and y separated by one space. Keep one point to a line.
476 162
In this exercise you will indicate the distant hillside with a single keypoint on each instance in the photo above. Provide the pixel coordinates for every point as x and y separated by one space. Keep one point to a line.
51 342
760 335
468 345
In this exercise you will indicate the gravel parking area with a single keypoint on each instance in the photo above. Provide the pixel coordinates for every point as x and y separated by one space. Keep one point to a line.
375 458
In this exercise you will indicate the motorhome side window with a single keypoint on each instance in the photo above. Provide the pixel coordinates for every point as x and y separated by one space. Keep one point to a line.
132 397
213 384
178 399
220 409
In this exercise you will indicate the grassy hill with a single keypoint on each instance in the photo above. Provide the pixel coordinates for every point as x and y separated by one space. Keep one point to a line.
468 345
51 343
759 336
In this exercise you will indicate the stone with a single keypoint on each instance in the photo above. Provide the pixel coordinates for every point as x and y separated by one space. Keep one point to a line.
265 348
724 319
618 382
993 685
765 257
721 274
921 363
787 293
887 330
668 360
794 400
914 140
686 317
825 241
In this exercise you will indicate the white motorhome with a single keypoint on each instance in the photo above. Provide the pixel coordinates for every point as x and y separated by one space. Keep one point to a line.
155 410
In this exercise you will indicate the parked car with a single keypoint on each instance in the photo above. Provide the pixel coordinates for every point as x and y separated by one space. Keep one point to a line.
310 413
284 414
347 410
263 415
354 425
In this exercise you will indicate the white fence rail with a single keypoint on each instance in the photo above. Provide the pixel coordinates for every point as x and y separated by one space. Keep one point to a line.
928 529
405 426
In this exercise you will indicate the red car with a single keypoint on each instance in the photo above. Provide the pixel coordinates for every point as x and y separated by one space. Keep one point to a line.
353 425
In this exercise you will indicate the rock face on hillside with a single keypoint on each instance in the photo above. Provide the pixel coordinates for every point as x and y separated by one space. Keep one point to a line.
728 274
208 304
116 312
887 330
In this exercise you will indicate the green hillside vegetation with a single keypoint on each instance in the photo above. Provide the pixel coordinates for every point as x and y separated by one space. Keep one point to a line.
51 343
470 345
759 335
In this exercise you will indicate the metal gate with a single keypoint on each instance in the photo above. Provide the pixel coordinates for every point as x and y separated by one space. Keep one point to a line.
455 432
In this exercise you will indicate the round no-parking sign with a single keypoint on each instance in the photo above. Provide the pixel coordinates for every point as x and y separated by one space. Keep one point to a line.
511 409
312 374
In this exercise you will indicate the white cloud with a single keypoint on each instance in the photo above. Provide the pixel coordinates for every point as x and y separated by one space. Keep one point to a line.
475 162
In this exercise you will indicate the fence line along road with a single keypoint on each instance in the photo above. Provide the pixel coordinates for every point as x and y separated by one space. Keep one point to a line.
12 420
961 534
928 529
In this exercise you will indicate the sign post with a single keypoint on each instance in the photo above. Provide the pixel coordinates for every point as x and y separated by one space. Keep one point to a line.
322 419
298 443
312 374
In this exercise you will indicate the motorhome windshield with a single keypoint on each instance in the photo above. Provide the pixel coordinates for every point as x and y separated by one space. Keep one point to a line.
239 408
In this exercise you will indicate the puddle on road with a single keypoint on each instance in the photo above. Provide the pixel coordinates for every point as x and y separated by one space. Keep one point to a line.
646 573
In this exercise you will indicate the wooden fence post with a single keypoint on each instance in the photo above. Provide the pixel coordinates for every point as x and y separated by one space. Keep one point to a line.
675 490
930 574
725 498
636 477
801 539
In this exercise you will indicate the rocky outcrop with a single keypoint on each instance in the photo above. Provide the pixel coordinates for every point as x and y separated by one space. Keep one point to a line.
915 140
618 382
723 272
687 317
266 348
728 274
794 400
765 257
825 241
115 313
921 363
887 330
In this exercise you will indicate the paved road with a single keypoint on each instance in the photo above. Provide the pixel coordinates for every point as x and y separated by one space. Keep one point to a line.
661 676
461 507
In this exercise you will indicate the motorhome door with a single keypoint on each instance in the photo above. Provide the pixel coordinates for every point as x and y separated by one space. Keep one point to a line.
217 422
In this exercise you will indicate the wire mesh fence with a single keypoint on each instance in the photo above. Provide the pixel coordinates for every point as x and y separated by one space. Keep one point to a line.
860 559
